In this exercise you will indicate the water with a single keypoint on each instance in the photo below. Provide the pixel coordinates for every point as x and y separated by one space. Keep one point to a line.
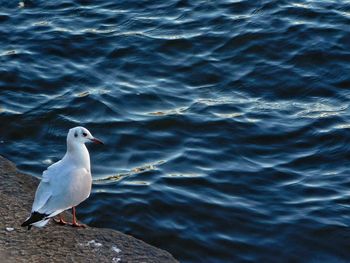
226 122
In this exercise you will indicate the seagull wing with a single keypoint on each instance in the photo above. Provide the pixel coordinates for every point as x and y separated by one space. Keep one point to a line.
62 187
44 190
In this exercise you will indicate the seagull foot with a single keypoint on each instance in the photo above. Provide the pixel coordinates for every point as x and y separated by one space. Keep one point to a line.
75 224
60 222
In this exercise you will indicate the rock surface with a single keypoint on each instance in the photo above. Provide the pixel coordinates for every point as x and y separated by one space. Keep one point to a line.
56 243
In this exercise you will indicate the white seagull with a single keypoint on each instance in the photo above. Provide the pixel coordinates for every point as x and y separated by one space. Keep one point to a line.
66 183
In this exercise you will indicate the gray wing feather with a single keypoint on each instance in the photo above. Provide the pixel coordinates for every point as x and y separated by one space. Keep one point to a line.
61 188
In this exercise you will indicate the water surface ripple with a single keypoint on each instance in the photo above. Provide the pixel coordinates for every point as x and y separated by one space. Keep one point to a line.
226 122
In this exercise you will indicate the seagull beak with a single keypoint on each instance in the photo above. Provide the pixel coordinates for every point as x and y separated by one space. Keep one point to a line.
95 140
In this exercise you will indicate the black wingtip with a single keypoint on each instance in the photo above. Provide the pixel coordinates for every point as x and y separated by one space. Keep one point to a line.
25 224
34 217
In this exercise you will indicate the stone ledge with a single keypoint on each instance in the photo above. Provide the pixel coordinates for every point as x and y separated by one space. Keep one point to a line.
59 243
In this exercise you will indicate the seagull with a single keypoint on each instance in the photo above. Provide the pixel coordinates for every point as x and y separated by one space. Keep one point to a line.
66 183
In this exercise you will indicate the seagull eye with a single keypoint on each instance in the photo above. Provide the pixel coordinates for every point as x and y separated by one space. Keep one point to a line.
84 134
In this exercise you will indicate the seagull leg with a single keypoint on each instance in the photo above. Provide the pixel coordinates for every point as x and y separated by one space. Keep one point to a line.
61 221
75 223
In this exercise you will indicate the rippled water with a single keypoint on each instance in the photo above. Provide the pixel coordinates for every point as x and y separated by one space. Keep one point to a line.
226 122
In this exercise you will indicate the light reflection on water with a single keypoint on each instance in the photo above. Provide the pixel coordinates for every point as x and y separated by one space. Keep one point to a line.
225 122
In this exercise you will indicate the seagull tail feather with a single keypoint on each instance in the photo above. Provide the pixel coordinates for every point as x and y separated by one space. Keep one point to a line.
35 217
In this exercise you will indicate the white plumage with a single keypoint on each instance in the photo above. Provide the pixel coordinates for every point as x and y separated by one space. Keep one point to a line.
66 183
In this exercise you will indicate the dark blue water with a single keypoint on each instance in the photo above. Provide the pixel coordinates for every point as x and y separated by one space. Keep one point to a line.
226 123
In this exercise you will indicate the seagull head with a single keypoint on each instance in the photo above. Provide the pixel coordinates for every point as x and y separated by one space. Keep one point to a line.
81 135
